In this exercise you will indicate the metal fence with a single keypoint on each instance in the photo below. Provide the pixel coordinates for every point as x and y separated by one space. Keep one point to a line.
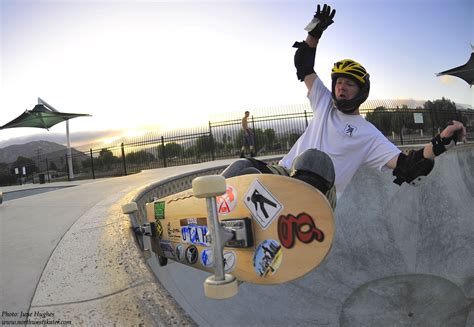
274 134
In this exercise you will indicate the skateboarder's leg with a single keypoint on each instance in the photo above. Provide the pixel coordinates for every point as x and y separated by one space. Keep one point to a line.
245 166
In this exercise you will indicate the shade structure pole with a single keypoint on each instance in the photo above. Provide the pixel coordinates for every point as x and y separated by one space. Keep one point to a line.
69 156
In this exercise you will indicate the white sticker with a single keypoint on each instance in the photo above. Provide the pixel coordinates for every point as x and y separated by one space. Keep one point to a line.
230 261
180 252
262 204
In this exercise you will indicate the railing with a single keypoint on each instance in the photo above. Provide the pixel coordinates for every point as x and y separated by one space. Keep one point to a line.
274 134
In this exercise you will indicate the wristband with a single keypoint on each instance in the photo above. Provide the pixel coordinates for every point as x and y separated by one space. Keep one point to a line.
441 144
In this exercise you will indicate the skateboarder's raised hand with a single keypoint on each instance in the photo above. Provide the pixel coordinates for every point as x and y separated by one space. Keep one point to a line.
305 55
456 130
321 20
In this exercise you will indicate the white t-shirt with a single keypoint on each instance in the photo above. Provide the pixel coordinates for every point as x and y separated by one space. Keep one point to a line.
349 140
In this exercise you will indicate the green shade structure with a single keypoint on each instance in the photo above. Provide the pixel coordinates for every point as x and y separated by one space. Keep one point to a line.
41 117
465 72
45 116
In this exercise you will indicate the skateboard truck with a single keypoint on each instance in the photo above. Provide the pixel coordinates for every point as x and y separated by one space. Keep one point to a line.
220 285
241 230
139 231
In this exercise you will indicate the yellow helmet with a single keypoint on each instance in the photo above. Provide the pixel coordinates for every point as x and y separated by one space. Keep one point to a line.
351 68
355 71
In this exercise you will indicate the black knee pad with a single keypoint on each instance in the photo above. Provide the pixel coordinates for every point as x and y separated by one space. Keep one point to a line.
317 163
314 180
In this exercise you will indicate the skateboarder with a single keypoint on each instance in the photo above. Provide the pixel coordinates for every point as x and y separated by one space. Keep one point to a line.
248 139
339 140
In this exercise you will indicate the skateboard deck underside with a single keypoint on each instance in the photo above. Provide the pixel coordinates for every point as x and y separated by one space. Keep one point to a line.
291 224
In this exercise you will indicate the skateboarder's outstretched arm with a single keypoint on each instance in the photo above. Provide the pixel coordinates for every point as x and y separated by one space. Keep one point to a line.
417 163
305 55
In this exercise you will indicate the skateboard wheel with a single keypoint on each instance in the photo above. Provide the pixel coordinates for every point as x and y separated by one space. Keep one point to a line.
162 261
129 208
221 289
208 186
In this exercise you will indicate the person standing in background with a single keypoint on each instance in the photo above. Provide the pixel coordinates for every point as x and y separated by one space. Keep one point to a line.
248 139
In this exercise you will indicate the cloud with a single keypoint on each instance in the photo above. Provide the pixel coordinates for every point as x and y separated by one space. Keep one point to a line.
447 80
79 139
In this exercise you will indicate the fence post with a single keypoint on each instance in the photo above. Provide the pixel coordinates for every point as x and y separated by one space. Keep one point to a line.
92 165
306 118
213 155
123 159
47 170
255 140
67 167
164 151
432 122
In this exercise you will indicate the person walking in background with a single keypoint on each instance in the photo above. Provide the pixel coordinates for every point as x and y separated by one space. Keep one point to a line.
248 139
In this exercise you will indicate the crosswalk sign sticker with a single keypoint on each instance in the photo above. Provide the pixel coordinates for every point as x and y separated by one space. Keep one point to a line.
262 204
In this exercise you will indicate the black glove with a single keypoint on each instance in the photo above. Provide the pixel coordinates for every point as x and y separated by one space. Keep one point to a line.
320 21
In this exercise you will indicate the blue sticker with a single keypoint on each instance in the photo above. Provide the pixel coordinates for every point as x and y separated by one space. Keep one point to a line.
195 234
267 258
207 258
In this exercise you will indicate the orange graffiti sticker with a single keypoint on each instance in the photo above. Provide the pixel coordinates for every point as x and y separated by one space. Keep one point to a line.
227 202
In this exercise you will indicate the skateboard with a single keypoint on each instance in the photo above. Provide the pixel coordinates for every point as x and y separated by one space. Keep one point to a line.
259 228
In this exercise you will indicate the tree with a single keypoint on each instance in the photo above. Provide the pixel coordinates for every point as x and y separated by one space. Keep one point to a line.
289 140
139 157
52 166
381 119
4 168
204 144
441 111
106 158
173 149
6 178
270 137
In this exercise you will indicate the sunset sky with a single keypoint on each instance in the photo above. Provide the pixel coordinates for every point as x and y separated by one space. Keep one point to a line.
155 65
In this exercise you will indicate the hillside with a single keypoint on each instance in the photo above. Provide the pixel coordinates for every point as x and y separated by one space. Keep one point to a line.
43 149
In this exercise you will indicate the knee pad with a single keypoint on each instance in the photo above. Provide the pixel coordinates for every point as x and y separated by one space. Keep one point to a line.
315 163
